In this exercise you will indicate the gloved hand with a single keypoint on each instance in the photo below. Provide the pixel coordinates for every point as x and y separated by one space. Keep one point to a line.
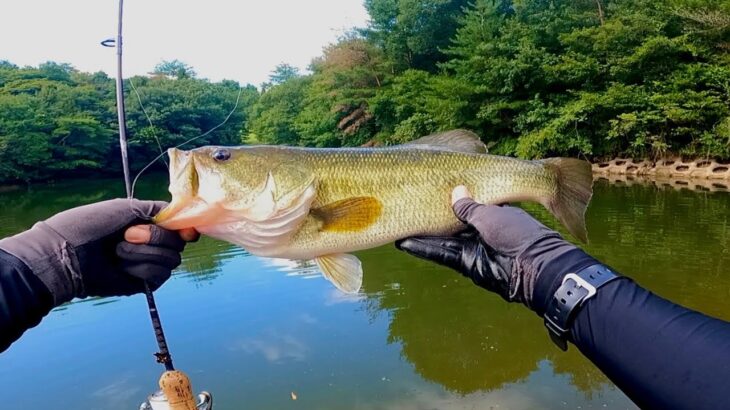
96 250
505 251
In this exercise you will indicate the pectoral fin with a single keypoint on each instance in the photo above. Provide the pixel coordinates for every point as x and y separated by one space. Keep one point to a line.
343 270
349 215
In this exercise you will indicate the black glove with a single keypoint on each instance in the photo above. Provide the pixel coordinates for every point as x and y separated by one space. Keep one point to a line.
505 251
83 252
467 254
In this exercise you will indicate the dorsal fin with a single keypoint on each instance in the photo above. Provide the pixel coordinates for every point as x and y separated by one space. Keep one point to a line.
454 140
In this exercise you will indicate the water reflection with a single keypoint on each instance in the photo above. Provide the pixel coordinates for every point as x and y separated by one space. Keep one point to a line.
456 334
25 206
673 242
202 261
274 346
676 243
418 336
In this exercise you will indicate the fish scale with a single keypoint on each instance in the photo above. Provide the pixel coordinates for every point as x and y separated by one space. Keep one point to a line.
415 189
319 203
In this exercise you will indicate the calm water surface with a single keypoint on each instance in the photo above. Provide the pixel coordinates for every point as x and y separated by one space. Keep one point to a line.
253 330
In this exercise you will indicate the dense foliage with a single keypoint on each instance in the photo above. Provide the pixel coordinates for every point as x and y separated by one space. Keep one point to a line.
57 122
591 78
534 78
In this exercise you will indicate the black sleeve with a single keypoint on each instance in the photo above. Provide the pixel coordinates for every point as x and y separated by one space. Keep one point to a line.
24 299
660 354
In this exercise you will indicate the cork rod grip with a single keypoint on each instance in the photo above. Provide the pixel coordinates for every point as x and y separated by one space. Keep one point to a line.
178 390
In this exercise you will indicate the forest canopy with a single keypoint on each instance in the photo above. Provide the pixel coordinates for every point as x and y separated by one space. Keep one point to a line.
588 78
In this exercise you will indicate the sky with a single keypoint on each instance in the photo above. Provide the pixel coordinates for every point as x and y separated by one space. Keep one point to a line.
240 40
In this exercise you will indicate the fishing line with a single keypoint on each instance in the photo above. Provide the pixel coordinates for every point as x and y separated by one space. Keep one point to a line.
149 120
162 154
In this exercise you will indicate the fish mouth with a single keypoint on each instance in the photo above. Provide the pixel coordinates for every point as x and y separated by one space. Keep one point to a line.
187 209
181 214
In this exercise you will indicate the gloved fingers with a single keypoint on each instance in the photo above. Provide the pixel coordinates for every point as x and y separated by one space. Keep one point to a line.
469 232
506 229
155 236
166 238
158 255
442 250
126 286
154 274
145 210
113 282
150 263
425 244
471 212
460 192
91 222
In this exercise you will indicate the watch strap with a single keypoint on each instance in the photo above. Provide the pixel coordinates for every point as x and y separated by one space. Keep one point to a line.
573 292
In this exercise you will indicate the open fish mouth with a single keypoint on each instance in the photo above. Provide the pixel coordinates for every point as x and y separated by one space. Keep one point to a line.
183 213
187 208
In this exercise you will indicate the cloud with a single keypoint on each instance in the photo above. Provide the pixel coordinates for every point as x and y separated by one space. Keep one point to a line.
292 267
335 297
273 346
118 394
542 389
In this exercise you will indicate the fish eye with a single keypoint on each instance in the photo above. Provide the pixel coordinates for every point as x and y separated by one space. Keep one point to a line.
221 155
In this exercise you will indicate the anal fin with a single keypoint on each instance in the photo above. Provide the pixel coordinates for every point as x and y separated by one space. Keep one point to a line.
343 270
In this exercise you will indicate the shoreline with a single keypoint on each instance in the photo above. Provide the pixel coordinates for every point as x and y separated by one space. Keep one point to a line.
678 183
666 168
696 175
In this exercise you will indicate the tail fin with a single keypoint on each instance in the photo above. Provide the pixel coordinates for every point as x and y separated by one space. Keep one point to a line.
575 187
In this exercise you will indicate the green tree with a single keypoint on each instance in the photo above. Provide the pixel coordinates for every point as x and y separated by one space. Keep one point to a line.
335 109
418 103
413 32
283 72
589 78
174 69
58 122
272 116
593 78
183 109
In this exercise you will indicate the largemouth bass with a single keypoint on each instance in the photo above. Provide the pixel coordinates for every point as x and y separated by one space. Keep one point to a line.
321 204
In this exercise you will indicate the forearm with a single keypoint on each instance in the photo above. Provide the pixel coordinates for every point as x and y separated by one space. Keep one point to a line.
24 299
660 354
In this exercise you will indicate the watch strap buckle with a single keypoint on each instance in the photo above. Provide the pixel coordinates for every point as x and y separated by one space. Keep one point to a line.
583 284
574 291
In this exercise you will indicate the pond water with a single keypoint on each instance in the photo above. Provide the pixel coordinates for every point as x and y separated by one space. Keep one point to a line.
252 330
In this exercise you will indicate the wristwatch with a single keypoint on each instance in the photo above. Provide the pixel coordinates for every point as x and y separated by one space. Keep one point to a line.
575 290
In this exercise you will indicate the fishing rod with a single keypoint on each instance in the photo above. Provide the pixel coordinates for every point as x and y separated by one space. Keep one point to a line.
176 390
